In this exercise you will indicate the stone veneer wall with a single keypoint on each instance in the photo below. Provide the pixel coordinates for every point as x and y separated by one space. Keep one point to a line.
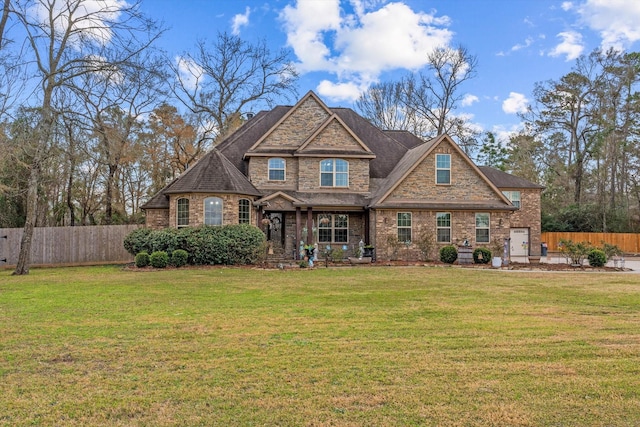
529 216
295 129
466 184
157 218
462 227
309 177
259 174
196 208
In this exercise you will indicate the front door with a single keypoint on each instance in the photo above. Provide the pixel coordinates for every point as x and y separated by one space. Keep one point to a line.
519 241
275 229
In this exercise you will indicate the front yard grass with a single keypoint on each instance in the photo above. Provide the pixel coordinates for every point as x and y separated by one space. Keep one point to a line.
347 347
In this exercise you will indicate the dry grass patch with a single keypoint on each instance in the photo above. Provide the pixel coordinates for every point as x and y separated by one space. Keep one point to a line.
377 346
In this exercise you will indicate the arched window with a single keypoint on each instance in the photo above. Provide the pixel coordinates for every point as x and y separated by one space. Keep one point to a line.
213 211
334 173
244 211
182 212
277 169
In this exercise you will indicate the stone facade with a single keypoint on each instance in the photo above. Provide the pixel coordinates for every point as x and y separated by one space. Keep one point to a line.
157 218
466 183
424 227
230 208
528 216
310 132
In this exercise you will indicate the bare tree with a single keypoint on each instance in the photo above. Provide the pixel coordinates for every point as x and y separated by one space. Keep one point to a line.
67 39
424 103
224 79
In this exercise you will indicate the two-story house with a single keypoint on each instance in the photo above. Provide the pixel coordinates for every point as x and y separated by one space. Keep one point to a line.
313 174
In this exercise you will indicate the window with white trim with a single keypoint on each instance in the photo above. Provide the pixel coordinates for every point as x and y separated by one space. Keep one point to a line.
443 227
404 226
277 169
244 211
514 197
182 212
483 221
443 168
333 228
213 211
334 173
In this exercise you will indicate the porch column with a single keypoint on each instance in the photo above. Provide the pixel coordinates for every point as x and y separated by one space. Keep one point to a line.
309 225
298 231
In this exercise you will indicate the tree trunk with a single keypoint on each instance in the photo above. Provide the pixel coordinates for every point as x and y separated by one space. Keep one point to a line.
24 258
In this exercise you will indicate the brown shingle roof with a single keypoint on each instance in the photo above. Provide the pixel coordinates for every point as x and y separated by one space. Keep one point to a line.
505 180
214 173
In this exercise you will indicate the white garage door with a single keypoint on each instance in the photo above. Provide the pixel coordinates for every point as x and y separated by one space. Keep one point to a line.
519 242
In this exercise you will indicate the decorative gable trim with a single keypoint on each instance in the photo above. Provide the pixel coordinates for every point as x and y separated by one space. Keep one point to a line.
432 147
277 194
309 95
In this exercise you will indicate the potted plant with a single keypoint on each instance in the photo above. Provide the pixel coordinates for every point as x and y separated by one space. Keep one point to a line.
496 253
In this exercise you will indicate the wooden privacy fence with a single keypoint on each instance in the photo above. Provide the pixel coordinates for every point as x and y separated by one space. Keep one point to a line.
68 245
628 242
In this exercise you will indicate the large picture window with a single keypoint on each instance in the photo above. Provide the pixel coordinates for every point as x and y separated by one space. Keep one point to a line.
482 227
404 226
333 228
213 211
443 227
277 169
182 212
334 173
244 211
443 168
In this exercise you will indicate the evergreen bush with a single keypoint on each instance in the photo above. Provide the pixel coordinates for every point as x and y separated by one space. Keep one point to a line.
486 255
136 241
159 259
448 254
179 258
597 258
142 259
229 244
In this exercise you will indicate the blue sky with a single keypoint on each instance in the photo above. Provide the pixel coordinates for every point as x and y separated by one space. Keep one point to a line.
342 47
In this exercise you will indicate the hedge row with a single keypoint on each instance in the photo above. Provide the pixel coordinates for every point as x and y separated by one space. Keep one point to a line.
229 244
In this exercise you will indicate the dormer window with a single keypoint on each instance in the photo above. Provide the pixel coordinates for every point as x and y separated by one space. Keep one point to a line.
277 169
334 173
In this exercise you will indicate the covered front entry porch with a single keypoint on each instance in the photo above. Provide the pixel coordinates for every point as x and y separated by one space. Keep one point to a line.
290 223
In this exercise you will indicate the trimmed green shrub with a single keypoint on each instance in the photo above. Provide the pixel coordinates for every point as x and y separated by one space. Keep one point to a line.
159 259
136 241
448 254
164 240
597 258
142 259
484 259
179 257
229 244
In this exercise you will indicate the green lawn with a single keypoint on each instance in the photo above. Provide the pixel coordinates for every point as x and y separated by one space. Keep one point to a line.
341 347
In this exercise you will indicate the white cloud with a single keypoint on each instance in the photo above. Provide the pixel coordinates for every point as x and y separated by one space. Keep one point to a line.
515 103
567 6
339 91
190 72
572 45
615 20
528 42
469 100
358 47
240 20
